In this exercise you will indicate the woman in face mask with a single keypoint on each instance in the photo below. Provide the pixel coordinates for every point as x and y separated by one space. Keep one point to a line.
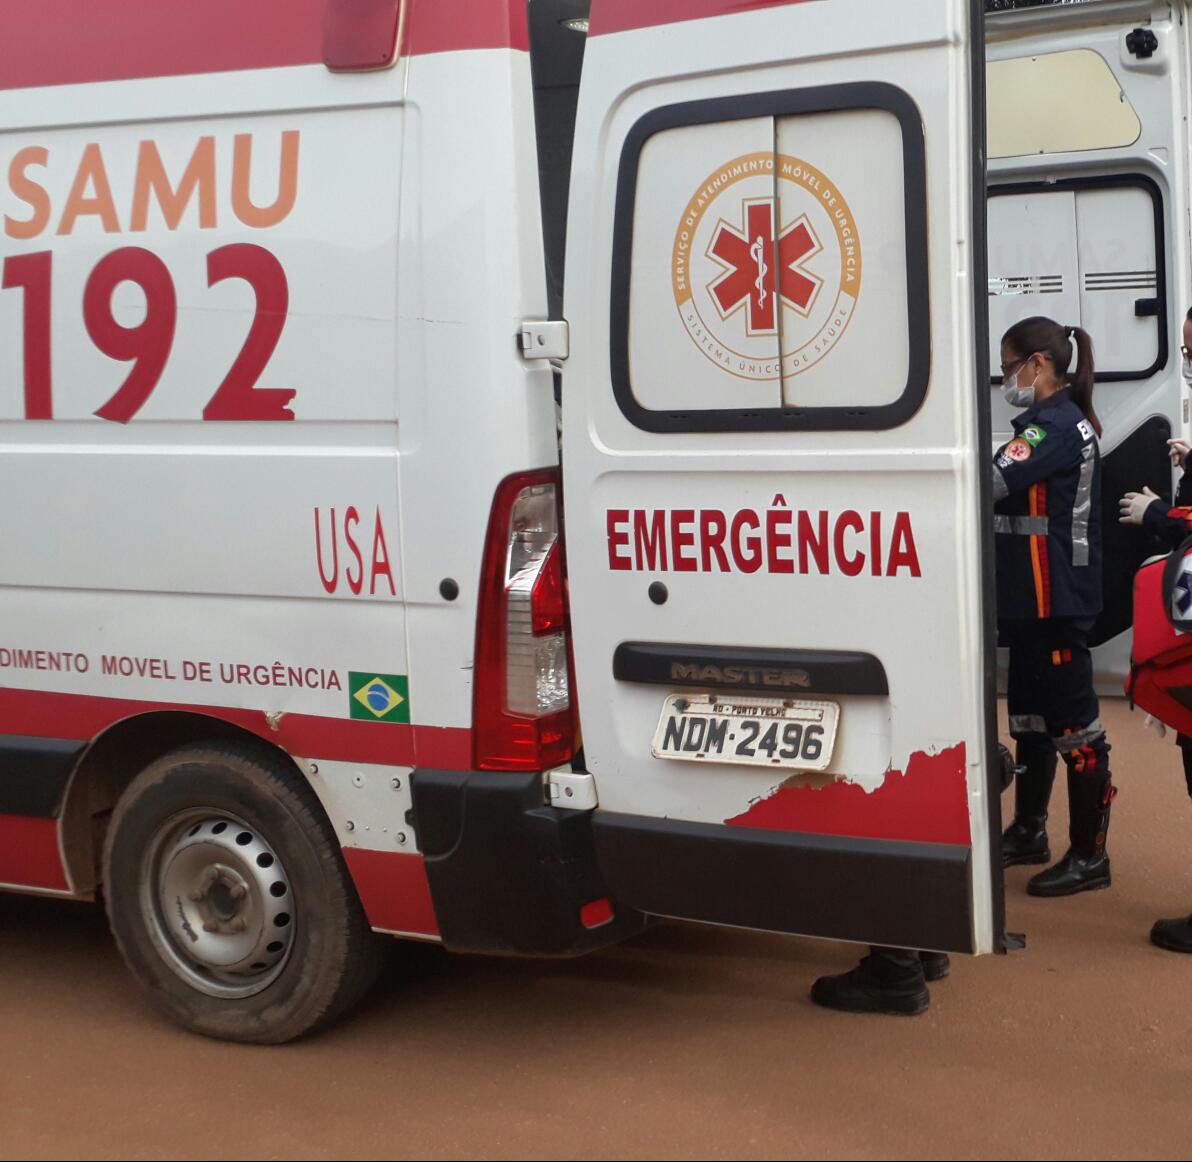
1169 526
1047 521
1047 525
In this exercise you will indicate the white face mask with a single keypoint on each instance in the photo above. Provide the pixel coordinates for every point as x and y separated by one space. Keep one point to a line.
1024 397
1188 373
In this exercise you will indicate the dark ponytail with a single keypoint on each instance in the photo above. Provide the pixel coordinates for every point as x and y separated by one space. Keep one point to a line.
1047 337
1081 380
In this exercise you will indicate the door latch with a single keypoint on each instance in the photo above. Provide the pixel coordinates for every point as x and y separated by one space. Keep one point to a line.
544 339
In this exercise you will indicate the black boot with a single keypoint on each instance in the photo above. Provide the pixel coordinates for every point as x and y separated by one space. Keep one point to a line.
886 981
936 965
1085 868
1174 935
1025 840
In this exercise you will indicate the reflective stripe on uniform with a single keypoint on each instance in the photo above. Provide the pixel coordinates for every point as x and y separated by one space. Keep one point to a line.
1082 508
1027 724
1079 738
1000 489
1024 526
1040 564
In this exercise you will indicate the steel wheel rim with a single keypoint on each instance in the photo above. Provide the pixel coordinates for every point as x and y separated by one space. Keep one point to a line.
218 903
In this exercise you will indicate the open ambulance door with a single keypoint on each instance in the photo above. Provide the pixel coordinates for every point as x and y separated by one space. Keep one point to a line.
776 462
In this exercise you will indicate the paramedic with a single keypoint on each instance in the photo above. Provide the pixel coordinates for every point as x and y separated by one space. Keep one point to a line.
1047 526
1170 526
1047 531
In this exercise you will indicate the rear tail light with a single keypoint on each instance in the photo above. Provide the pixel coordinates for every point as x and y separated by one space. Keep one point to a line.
522 712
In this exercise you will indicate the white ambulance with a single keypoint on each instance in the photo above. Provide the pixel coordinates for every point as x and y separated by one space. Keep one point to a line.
289 650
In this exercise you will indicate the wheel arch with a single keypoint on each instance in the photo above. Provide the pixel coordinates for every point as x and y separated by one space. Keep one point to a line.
112 760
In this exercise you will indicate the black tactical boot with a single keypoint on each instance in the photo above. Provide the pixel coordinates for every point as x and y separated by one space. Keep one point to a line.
936 965
1174 935
1025 840
1085 868
886 981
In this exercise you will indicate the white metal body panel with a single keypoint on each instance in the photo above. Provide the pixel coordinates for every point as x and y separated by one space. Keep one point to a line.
472 409
318 541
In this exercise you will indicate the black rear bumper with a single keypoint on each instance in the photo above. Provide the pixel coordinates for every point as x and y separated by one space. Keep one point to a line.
509 875
909 895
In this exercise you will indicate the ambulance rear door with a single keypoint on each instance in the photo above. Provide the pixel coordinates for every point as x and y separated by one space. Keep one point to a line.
775 466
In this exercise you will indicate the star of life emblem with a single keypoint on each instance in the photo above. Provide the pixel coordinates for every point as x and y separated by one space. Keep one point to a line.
760 274
766 266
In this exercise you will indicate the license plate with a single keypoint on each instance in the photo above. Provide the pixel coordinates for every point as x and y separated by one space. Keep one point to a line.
771 732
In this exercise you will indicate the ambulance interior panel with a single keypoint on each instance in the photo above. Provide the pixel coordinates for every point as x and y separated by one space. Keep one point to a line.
845 333
1033 267
1059 102
1119 286
1085 252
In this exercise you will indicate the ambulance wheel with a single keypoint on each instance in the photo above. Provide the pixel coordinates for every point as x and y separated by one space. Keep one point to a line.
229 897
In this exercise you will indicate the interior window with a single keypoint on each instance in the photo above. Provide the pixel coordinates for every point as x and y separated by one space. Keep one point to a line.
1087 252
1058 102
781 265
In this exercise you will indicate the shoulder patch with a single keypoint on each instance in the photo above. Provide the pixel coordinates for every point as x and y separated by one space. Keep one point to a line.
1033 436
1085 429
1018 450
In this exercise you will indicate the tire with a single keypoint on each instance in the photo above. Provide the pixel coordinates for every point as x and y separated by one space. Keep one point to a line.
229 898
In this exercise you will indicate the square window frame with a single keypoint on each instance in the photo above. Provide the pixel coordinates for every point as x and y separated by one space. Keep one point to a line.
876 95
1114 181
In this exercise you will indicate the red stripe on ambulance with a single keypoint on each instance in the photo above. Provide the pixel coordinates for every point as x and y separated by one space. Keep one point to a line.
927 804
29 854
394 890
778 539
110 41
456 25
40 714
120 40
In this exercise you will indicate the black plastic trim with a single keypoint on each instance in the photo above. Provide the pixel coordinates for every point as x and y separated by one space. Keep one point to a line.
912 895
508 875
822 99
1109 182
774 671
980 259
34 773
1140 460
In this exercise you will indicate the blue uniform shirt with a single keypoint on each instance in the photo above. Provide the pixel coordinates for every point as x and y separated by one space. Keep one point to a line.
1171 525
1047 514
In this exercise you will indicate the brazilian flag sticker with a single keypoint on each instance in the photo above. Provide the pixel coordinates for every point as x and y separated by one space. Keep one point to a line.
1034 436
379 697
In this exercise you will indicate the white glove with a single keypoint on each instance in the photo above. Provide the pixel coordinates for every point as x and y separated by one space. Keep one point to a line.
1178 451
1155 725
1134 504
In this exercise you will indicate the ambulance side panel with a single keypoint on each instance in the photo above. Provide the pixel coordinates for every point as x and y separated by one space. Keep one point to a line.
259 380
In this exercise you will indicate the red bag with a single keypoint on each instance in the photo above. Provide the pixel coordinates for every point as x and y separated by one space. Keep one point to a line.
1160 678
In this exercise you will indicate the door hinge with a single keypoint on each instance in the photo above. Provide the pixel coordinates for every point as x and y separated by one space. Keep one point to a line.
544 339
566 788
1142 43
